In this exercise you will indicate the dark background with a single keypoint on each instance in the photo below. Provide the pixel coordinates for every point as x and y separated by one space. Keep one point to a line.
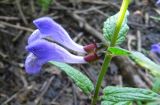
83 19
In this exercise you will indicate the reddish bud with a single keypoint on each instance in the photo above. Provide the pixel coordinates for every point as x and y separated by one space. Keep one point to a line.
90 47
91 57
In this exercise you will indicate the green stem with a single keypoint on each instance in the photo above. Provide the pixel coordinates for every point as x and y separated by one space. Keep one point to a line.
119 22
105 65
108 57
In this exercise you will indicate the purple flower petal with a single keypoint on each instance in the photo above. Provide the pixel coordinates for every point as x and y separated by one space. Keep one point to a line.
32 66
44 51
158 2
155 48
49 27
34 36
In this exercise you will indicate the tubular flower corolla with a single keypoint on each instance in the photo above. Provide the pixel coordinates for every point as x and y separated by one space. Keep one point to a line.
49 28
43 50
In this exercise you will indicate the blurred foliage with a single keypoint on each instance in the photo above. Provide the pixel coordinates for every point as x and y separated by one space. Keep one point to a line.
45 4
145 62
155 18
156 85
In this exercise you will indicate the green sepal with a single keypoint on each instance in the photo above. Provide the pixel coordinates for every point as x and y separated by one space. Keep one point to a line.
109 28
116 94
81 80
118 51
145 62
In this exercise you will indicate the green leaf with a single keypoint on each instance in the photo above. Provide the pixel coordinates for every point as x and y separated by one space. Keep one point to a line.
116 94
154 103
156 85
109 28
116 103
145 62
118 51
107 103
45 4
82 81
155 18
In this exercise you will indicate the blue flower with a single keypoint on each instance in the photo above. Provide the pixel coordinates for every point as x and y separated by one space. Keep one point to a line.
155 48
158 2
155 51
43 50
49 28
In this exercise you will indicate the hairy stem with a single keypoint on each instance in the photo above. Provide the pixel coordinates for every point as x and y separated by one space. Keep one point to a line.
108 57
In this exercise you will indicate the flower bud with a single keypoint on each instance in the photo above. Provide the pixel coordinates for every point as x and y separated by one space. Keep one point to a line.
91 57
